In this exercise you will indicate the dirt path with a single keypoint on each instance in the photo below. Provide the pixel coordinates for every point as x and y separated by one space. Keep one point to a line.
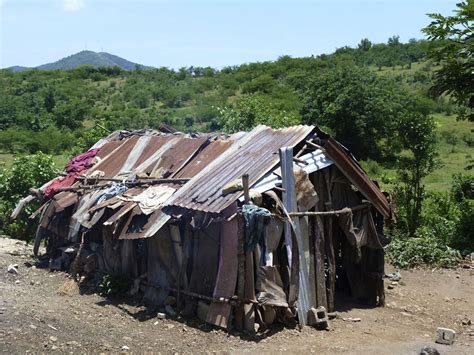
35 318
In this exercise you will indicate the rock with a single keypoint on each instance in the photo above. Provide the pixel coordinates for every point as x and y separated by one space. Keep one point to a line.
160 315
429 350
53 338
12 268
33 326
390 287
169 326
445 336
466 321
125 348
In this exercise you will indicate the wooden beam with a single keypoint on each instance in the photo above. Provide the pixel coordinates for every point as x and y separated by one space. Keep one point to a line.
245 184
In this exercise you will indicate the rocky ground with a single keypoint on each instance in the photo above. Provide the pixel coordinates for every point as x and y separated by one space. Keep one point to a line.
38 314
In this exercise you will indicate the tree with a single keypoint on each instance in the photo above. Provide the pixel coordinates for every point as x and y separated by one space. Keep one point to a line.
455 54
252 110
418 160
360 108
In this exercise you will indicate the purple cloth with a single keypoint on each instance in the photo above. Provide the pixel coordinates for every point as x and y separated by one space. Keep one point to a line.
81 162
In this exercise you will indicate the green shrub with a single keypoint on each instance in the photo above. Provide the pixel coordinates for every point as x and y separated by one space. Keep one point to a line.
26 171
425 249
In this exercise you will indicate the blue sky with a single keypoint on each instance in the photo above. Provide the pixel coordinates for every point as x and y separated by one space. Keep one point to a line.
215 33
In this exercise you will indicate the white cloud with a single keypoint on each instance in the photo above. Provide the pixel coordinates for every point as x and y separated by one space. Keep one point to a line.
73 5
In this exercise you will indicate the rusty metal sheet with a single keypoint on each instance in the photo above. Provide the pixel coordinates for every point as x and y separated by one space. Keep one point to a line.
155 143
108 148
213 150
112 164
357 176
173 158
255 153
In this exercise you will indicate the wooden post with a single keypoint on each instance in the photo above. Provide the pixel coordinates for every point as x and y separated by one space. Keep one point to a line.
329 241
239 311
319 246
245 184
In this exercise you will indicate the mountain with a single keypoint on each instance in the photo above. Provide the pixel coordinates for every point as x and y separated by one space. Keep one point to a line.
96 59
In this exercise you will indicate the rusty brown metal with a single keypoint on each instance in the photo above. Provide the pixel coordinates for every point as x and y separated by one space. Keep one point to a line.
255 153
357 176
213 150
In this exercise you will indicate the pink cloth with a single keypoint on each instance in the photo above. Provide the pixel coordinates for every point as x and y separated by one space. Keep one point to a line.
81 162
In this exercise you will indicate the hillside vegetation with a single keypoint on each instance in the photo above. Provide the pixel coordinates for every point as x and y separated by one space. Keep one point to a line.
49 110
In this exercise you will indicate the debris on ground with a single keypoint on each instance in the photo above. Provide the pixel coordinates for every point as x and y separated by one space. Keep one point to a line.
394 276
12 268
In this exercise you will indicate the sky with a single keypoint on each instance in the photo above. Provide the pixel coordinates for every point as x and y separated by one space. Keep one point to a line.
178 33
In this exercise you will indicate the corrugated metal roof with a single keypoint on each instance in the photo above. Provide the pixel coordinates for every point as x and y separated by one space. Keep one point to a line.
315 161
255 153
354 173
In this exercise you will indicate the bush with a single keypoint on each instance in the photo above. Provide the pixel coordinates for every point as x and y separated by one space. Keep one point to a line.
425 249
445 228
113 285
26 171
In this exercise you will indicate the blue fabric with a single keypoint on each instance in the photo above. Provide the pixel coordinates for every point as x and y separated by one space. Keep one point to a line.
256 218
114 190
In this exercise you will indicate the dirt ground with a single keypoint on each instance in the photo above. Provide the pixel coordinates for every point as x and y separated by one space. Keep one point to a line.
35 318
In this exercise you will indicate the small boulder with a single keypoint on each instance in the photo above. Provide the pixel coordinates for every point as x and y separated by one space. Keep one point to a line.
445 336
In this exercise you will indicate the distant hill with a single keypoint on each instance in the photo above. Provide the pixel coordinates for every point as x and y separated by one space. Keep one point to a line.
101 59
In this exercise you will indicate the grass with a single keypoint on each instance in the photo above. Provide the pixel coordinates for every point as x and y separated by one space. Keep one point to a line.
455 154
6 160
454 151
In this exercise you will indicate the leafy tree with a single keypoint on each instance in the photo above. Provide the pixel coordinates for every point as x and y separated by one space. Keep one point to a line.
418 160
455 54
362 109
252 110
26 171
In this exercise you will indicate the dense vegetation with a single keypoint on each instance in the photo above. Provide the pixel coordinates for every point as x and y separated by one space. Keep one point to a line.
376 98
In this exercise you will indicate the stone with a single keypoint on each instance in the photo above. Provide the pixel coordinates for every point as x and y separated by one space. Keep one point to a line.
125 348
445 336
390 287
12 268
429 350
53 338
160 315
466 321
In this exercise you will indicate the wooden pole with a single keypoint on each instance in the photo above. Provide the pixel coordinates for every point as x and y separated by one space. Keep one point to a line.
245 183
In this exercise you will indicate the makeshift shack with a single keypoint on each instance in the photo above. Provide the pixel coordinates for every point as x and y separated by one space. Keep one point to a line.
241 230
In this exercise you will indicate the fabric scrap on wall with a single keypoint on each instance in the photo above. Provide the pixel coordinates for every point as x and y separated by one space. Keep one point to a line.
256 219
